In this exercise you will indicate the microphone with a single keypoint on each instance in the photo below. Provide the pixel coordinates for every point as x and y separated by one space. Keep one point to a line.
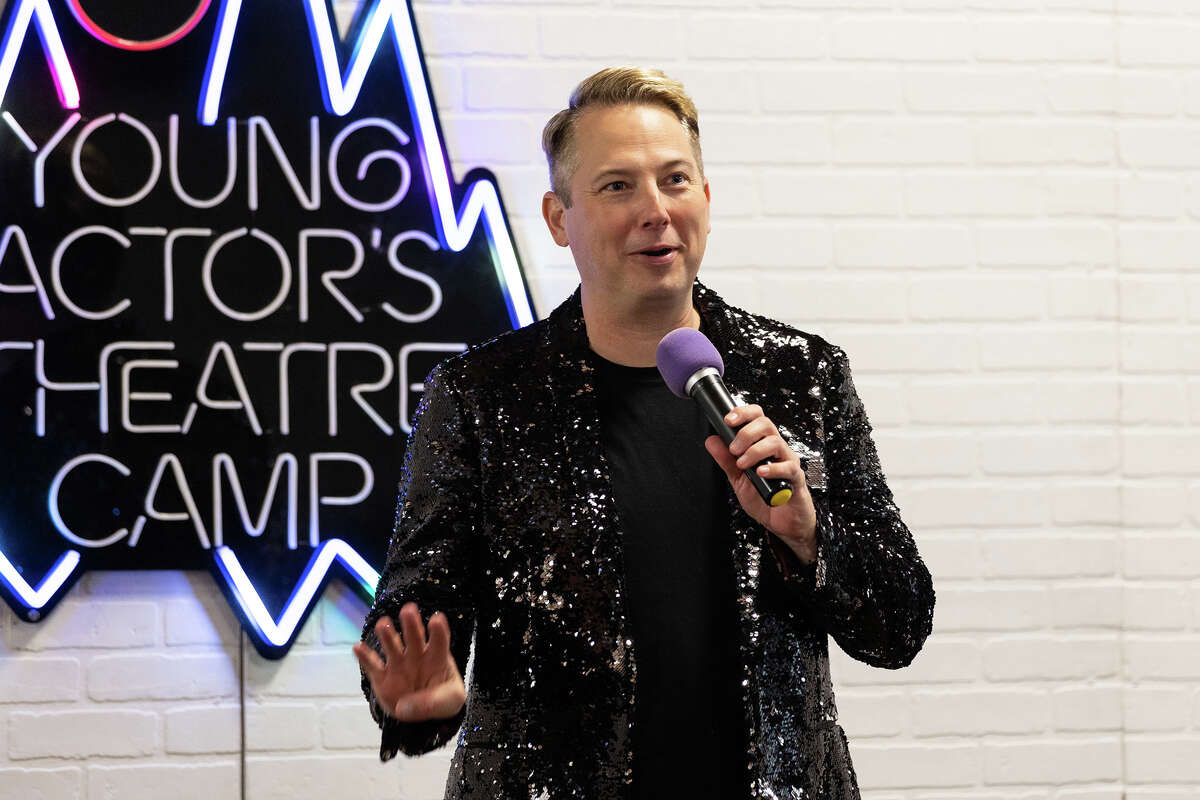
693 368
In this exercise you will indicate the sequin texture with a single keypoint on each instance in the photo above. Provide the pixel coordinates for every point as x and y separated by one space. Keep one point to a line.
505 523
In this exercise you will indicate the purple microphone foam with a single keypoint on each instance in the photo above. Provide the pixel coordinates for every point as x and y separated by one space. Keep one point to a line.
681 354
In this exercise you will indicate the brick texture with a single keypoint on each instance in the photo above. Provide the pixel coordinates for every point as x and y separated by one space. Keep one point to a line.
994 207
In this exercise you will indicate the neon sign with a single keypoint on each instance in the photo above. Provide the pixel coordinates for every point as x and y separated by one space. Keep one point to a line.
227 258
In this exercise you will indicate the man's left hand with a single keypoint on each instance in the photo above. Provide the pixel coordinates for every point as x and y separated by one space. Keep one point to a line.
795 522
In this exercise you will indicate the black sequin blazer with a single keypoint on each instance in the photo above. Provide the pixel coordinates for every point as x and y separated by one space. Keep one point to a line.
506 522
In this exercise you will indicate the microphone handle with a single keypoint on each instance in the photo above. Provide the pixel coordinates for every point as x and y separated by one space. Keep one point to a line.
710 392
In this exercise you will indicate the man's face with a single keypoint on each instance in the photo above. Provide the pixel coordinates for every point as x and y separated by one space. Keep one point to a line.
638 220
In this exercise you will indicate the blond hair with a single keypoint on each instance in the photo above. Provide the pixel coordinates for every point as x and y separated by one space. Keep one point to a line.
614 86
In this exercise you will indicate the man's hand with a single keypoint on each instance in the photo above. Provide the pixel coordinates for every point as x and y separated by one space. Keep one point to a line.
795 522
419 679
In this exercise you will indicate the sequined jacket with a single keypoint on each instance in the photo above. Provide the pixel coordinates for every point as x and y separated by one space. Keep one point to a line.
506 522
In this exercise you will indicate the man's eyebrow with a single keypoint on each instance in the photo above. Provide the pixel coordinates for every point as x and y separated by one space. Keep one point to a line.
623 172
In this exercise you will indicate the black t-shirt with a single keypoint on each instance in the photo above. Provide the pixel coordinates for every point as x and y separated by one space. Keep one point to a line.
688 731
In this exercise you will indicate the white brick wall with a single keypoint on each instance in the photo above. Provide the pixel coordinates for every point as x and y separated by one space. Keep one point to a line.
993 206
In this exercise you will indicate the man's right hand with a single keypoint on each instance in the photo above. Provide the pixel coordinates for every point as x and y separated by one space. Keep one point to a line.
419 679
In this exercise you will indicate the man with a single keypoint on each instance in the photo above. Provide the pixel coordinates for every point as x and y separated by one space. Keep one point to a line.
644 625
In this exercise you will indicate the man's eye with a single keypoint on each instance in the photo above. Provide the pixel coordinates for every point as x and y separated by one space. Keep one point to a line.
678 179
616 186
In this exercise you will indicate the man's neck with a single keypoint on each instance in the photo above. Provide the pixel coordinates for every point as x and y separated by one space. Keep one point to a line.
630 336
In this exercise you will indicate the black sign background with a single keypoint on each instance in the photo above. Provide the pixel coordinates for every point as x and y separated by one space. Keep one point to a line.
273 75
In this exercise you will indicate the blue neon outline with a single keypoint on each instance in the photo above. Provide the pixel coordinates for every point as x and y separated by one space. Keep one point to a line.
277 635
481 200
41 17
35 598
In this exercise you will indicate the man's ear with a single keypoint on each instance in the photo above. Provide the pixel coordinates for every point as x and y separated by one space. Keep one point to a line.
554 214
708 202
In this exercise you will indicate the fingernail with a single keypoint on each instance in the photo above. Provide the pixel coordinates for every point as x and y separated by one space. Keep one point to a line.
731 416
762 470
405 709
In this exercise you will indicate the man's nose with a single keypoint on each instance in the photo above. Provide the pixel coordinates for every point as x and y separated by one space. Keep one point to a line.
654 209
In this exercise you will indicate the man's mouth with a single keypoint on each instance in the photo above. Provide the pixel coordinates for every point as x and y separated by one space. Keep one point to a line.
656 253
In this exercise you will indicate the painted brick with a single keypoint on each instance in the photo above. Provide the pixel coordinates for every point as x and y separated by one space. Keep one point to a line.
613 35
1164 43
922 455
1159 248
1074 194
974 91
1153 505
1160 453
1077 297
992 608
1156 708
907 246
203 730
770 245
729 36
1044 453
1053 349
735 193
975 402
1089 708
845 193
1173 759
81 734
1148 94
1043 40
161 677
979 711
1033 657
348 726
60 783
885 398
305 674
1038 245
1152 299
745 141
822 89
909 351
1161 555
943 194
1158 350
869 300
908 38
190 622
1081 91
507 86
1086 504
1080 400
1052 761
475 32
941 660
1164 657
97 624
949 556
892 142
280 726
1150 196
1153 401
1155 144
953 506
150 781
1087 605
323 776
1056 143
1028 555
889 766
38 680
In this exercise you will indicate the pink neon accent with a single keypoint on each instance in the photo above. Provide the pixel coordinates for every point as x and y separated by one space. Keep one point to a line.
174 36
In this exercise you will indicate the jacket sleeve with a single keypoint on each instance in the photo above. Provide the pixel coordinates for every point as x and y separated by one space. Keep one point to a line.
868 587
432 556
